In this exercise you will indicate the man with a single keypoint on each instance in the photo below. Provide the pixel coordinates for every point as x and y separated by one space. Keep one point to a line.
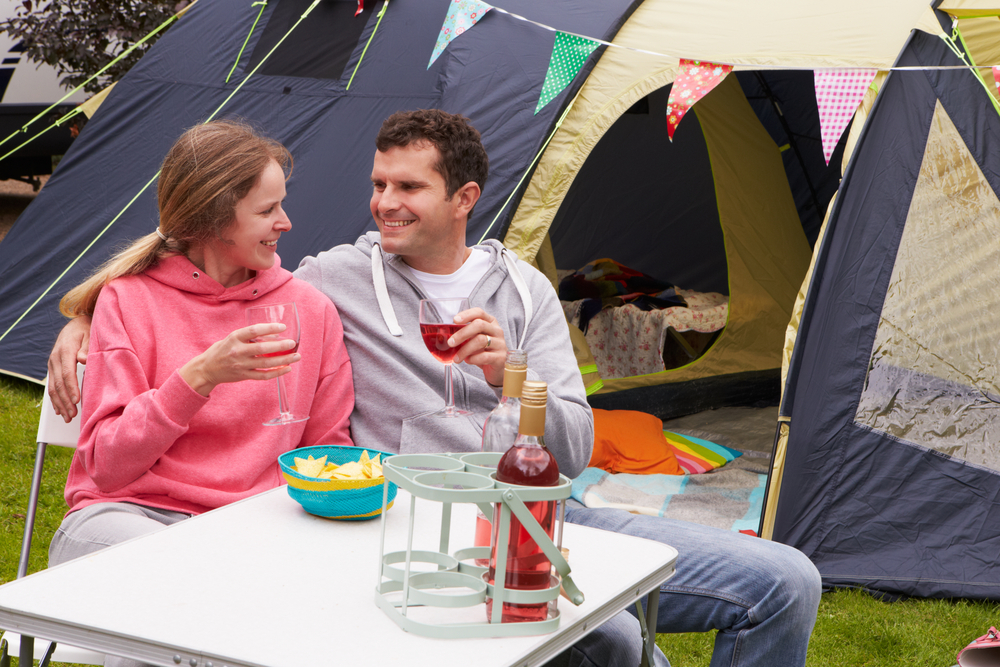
428 174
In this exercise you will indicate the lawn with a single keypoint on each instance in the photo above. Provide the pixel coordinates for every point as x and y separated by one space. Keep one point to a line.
852 628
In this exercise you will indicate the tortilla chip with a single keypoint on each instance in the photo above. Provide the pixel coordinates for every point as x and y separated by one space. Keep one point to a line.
351 470
310 467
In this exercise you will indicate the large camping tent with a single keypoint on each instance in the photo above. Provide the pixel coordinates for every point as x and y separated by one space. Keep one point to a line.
325 90
886 472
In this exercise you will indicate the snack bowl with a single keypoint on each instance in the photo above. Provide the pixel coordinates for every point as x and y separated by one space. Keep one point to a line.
344 499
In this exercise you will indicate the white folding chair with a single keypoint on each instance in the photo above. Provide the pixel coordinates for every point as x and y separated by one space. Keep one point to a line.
52 430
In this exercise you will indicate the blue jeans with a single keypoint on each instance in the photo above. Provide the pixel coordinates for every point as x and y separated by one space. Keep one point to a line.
761 596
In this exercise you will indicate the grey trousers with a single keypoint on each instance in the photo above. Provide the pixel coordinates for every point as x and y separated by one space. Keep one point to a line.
101 525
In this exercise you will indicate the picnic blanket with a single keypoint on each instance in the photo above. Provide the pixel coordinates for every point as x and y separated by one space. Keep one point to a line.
728 497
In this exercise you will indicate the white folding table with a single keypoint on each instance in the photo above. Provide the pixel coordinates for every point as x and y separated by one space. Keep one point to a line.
262 583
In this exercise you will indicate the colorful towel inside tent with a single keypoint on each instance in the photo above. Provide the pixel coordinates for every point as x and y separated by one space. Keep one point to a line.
725 496
696 455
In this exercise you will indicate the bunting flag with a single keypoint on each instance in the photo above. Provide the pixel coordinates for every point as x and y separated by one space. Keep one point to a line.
838 94
996 81
568 55
695 79
462 15
361 7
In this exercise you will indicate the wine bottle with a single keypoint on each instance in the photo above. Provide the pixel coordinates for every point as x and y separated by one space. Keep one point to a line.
527 463
500 430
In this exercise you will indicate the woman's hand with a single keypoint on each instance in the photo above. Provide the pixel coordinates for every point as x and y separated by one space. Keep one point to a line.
236 358
70 349
481 343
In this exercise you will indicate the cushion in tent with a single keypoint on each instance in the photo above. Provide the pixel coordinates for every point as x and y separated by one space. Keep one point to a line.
626 441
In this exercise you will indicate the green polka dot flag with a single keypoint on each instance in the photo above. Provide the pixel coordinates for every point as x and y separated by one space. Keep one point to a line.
568 56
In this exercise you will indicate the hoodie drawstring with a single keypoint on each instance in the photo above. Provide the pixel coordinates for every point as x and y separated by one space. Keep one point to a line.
382 292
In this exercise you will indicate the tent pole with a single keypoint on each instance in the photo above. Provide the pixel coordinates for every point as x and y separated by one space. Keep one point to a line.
791 141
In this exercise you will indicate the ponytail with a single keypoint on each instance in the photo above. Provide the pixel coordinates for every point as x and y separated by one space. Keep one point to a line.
136 258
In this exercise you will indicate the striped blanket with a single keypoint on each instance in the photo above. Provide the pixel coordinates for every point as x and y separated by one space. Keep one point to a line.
696 455
720 489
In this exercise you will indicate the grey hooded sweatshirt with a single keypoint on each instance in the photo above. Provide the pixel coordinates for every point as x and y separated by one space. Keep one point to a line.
398 383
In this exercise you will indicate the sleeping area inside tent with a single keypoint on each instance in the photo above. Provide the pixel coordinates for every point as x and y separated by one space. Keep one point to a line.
635 324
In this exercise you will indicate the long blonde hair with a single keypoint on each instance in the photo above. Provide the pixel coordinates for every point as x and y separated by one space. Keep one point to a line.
208 170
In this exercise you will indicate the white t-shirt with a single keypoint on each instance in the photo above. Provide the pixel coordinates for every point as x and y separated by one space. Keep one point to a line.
458 284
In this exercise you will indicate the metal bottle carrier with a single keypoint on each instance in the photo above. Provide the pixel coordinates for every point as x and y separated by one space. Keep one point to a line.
466 478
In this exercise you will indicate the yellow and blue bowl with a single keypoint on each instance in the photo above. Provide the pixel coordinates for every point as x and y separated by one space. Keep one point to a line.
344 499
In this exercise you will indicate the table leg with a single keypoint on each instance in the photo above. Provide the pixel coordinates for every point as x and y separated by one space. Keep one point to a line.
647 622
44 662
27 653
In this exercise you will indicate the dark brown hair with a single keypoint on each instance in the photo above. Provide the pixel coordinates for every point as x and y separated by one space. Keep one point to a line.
463 158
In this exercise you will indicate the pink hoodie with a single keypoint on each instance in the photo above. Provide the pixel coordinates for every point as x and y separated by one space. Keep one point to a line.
148 438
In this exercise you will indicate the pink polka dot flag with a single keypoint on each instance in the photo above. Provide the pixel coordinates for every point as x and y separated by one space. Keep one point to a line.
462 15
695 79
838 94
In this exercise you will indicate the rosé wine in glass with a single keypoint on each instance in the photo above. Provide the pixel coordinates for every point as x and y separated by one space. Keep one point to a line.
289 316
436 339
437 325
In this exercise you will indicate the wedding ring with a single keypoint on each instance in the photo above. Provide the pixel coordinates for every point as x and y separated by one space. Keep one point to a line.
488 341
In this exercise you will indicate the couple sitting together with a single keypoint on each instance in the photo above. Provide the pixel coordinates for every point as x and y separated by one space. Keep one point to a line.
167 398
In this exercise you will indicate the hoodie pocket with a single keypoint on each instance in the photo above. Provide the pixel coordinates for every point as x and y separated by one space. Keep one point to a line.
427 434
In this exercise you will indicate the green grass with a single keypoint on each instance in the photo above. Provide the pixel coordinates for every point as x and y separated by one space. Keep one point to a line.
852 628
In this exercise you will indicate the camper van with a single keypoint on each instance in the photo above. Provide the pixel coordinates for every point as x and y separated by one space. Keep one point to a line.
26 89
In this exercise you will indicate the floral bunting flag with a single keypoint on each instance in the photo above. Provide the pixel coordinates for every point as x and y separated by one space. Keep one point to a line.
695 79
838 94
568 55
462 15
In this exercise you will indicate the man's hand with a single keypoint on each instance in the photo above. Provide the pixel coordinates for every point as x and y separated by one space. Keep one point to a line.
481 343
241 356
71 348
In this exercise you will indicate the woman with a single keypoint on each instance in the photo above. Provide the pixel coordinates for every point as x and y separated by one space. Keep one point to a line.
170 428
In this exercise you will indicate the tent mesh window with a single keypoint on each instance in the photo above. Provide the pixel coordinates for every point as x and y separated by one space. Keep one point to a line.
322 44
934 370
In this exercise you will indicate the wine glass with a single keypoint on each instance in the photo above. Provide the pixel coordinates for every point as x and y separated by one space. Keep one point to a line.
437 325
289 316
